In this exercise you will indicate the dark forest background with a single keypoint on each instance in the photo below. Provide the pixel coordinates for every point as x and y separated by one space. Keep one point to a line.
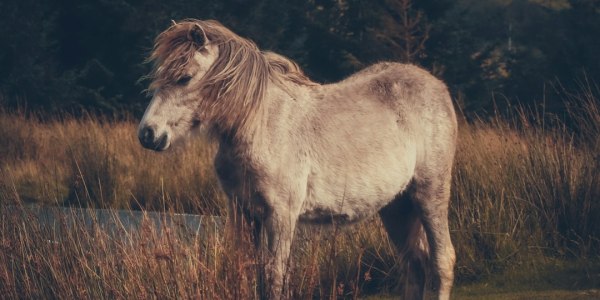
75 56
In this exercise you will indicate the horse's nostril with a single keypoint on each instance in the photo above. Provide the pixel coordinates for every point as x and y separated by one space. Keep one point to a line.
146 136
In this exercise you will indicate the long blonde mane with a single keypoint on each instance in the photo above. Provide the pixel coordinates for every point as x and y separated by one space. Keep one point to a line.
235 84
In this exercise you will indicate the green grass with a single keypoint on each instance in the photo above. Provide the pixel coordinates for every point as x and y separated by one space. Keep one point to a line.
539 280
524 216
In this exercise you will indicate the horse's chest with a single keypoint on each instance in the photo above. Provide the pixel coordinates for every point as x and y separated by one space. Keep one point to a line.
235 181
228 172
234 176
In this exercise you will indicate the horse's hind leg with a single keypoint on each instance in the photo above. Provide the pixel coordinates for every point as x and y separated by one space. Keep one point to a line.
402 222
432 198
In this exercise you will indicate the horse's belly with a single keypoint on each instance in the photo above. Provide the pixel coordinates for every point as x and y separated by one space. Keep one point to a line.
328 215
350 198
343 209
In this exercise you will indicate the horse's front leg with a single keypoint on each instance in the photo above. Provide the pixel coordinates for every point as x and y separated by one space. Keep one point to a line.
280 233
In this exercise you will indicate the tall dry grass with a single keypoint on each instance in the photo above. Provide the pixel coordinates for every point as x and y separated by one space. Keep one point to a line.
526 192
92 162
527 188
172 262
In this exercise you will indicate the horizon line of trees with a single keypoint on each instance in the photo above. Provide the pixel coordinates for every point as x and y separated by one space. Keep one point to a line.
87 55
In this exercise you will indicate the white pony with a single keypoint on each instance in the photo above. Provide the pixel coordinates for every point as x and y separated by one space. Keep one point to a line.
291 150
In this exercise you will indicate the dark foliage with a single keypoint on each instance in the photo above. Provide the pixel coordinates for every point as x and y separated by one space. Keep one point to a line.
88 55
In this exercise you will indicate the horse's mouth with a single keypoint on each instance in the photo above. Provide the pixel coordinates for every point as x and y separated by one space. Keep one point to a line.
163 144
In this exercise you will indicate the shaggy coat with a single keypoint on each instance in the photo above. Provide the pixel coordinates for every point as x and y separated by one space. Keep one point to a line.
294 151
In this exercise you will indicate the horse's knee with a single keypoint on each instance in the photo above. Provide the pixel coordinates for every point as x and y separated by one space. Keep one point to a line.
277 280
280 234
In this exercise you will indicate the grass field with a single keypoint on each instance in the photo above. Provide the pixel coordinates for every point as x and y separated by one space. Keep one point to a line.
524 216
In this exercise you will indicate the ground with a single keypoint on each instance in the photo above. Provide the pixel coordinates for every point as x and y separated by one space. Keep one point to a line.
578 279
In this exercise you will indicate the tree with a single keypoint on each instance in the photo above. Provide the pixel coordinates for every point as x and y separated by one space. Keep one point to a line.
405 30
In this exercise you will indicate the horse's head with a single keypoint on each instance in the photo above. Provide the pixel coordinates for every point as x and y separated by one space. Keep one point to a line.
182 56
209 77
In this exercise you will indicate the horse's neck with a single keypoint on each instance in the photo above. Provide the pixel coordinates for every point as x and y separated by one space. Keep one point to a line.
281 111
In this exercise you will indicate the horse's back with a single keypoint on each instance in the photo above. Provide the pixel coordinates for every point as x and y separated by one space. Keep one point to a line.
408 89
418 100
421 102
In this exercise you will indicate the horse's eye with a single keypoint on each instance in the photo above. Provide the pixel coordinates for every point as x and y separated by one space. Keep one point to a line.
183 80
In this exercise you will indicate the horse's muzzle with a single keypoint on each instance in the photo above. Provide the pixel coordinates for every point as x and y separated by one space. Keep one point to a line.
149 140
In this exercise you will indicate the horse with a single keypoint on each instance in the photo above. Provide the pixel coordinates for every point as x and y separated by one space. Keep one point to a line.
292 151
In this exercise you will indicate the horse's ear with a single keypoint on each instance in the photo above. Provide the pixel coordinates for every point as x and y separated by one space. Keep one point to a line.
197 35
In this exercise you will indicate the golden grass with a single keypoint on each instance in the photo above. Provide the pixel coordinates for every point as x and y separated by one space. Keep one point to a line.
171 262
96 163
525 193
